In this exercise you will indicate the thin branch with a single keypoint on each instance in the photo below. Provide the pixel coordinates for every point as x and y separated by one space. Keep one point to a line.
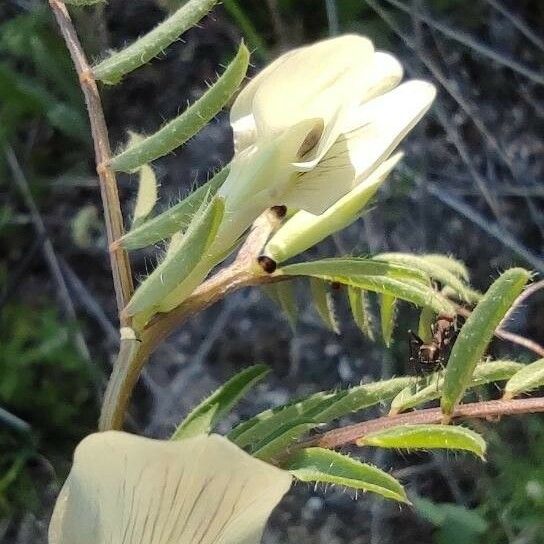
470 42
451 88
527 343
492 228
481 410
122 276
503 334
525 294
48 251
518 23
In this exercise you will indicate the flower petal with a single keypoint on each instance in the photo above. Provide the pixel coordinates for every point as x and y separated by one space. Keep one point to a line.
305 229
130 490
369 138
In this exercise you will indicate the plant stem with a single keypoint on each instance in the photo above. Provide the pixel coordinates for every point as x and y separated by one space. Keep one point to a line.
120 264
487 409
243 272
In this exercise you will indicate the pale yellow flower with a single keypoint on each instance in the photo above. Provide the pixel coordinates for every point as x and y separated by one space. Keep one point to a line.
309 129
317 122
125 489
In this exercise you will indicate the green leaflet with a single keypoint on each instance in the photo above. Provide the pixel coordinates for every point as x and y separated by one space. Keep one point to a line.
112 69
529 377
427 437
360 309
205 416
284 294
377 276
426 319
147 188
449 263
364 396
355 266
304 229
175 219
326 466
435 270
324 304
388 312
484 373
177 131
284 437
319 408
264 424
181 261
476 334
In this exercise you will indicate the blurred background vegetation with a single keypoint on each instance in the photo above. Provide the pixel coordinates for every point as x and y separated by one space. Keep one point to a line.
471 186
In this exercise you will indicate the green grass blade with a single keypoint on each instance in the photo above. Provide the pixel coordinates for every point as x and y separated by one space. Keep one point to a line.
206 415
426 437
191 121
112 69
325 466
179 261
477 332
175 219
529 377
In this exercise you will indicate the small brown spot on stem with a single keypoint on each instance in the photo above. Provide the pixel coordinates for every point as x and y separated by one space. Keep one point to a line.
267 264
279 211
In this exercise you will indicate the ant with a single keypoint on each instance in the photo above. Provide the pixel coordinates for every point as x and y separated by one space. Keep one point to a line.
431 356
